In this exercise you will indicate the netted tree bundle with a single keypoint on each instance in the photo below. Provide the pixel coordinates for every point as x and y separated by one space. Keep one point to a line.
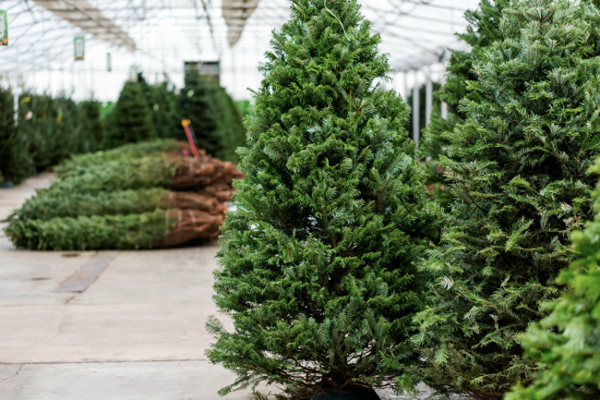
48 204
126 152
220 191
115 232
147 172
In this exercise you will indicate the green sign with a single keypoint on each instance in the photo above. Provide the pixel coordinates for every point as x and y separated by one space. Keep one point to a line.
3 28
108 62
79 48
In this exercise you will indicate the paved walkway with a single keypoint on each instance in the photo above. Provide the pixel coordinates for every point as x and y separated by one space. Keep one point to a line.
106 325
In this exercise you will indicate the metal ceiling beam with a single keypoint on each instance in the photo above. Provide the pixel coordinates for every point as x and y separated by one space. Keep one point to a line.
82 14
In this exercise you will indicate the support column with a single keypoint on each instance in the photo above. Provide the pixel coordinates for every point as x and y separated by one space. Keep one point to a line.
415 110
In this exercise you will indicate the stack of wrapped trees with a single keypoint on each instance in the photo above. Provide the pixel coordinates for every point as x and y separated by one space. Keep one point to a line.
147 195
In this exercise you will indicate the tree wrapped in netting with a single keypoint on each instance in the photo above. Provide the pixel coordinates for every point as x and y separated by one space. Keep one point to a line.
131 119
566 343
16 163
519 176
92 126
318 269
174 172
125 152
48 204
148 230
482 29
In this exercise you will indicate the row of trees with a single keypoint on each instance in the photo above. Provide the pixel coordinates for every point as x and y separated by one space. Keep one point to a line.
47 131
51 129
339 269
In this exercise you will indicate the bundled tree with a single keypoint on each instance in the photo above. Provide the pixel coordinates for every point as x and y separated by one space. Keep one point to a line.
15 162
520 182
482 30
565 344
91 125
131 119
318 258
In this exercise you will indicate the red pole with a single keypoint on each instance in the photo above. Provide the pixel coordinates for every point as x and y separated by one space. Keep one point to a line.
186 127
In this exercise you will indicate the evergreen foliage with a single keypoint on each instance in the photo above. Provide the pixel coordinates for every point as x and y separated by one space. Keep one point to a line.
126 152
318 259
482 29
566 344
215 118
115 232
37 120
70 135
91 125
131 119
162 103
48 204
519 177
135 173
15 162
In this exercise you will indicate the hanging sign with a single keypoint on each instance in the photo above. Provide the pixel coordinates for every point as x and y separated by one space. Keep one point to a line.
79 48
3 28
108 62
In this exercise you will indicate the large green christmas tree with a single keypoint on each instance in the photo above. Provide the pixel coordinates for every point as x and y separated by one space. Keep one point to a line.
15 162
566 344
521 186
482 29
318 258
131 119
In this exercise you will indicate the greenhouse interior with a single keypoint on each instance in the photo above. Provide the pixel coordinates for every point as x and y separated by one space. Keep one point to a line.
300 199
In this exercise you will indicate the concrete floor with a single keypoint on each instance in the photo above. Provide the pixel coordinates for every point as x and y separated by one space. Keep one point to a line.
106 325
135 332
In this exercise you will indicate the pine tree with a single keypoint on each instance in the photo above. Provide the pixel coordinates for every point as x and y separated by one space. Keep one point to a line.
318 258
91 125
482 29
214 116
38 121
196 103
520 182
131 119
566 343
15 162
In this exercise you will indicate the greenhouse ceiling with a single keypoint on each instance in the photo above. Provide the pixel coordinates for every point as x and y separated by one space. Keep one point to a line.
157 36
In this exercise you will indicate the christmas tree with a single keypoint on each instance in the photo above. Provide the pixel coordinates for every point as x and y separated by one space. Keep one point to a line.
215 118
482 29
131 119
565 344
15 162
519 178
162 102
91 125
318 259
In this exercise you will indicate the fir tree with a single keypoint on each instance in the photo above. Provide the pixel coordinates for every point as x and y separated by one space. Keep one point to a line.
131 120
482 29
520 182
566 344
15 162
318 258
38 121
214 116
91 125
